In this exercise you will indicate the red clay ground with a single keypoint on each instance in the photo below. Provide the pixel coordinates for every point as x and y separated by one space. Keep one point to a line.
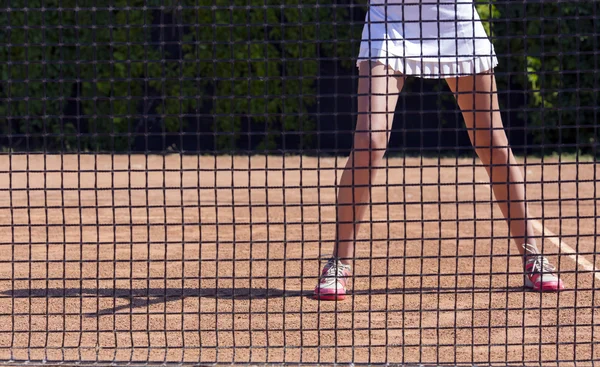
99 260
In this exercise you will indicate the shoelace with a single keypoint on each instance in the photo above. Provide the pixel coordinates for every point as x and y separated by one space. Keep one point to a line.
540 264
335 271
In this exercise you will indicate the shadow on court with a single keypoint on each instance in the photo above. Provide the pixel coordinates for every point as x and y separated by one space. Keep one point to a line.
142 298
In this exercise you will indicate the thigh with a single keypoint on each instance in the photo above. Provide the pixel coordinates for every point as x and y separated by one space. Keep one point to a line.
477 97
378 90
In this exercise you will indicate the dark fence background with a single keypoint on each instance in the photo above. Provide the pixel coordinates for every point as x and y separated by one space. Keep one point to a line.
232 76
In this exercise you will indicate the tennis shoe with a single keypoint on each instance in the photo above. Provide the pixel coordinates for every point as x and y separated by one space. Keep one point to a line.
540 274
333 282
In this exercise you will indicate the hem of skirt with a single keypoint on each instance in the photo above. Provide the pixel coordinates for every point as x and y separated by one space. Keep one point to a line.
432 69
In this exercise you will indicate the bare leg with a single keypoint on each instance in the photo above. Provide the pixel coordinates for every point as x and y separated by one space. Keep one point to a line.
478 99
378 90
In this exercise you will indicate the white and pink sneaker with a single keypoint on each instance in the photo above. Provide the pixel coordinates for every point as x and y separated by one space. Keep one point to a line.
333 282
539 274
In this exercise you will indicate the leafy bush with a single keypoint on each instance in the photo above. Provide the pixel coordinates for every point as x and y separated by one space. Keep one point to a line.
550 51
76 76
67 55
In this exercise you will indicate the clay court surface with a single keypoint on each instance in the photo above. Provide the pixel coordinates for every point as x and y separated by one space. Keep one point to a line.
204 259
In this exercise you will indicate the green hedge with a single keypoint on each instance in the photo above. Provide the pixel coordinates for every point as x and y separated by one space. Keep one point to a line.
254 65
550 51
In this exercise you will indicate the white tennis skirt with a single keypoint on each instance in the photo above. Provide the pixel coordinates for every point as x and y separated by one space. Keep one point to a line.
427 38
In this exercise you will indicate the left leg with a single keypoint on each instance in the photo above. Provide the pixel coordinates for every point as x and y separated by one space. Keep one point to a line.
478 100
477 97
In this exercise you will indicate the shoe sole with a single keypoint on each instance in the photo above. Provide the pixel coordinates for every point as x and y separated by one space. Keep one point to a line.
329 297
553 287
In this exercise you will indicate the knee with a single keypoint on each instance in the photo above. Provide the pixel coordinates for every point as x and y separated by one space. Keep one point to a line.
494 155
492 147
369 147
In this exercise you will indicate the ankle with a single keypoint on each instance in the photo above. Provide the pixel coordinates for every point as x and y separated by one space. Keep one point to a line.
343 260
529 250
346 261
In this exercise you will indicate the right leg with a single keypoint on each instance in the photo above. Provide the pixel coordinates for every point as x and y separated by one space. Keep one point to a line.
378 89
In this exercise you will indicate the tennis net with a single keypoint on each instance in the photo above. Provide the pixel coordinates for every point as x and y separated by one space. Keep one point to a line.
171 173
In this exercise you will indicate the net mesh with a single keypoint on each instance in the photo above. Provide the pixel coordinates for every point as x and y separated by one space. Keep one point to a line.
171 174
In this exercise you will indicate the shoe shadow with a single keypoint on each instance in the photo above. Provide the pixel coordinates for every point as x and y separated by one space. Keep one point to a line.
143 298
